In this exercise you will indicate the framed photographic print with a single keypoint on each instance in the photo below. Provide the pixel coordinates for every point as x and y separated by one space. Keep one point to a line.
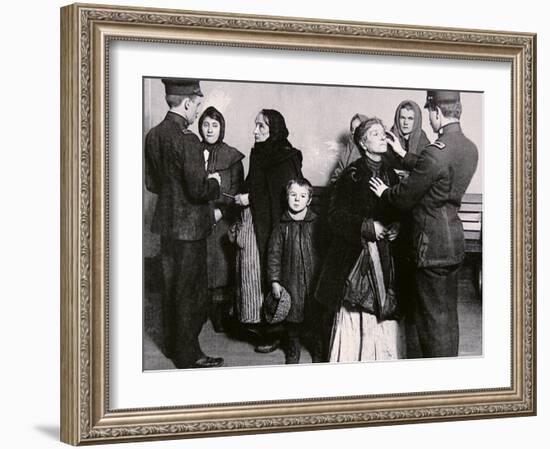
280 224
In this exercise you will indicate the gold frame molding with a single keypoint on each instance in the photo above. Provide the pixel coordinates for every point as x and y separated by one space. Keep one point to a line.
86 31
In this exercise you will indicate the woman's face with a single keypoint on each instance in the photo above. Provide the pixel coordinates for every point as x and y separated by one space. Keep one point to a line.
261 130
374 140
210 130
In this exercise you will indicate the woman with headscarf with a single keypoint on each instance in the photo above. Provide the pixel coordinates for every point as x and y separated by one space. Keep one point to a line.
349 152
273 162
408 142
357 282
407 129
227 161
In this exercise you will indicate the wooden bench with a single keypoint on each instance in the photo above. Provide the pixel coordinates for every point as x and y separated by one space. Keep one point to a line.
471 214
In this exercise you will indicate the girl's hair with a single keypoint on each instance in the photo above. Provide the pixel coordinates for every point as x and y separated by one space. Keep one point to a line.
302 182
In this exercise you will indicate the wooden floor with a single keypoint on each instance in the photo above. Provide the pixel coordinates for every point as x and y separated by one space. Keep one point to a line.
237 350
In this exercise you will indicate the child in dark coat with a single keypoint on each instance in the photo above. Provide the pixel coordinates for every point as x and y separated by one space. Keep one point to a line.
292 263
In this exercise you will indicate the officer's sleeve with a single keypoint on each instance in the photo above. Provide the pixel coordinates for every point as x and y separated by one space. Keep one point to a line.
409 192
409 161
152 182
198 186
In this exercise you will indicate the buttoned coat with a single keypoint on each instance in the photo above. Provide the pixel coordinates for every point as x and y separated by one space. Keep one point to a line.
352 211
293 262
174 170
272 165
434 191
227 161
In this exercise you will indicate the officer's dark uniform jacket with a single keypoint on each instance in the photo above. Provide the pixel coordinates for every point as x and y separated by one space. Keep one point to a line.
174 170
434 192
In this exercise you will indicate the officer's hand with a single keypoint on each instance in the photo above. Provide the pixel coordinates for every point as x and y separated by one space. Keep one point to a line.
242 199
218 215
276 290
393 231
395 144
215 176
379 230
377 186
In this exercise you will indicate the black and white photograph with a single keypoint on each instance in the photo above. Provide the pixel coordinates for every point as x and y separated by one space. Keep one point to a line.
288 223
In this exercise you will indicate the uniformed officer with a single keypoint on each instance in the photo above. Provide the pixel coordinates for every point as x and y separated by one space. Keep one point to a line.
434 192
174 170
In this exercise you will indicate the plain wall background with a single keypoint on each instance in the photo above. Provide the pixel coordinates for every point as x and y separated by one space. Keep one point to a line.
30 225
317 118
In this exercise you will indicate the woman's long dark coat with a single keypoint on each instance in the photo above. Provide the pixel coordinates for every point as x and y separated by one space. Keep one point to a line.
352 211
227 161
272 165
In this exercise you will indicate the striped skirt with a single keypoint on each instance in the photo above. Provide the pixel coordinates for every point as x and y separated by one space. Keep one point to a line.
249 295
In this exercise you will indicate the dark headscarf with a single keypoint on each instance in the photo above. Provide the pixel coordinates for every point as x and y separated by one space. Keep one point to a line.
213 113
415 136
277 147
278 131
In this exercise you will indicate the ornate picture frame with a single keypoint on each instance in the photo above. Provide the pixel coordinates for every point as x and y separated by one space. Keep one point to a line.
87 33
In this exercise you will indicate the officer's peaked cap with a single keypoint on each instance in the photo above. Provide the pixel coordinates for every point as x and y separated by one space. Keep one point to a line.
182 86
439 97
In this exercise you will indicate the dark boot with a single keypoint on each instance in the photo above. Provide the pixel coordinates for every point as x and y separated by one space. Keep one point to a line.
292 350
219 305
317 351
217 317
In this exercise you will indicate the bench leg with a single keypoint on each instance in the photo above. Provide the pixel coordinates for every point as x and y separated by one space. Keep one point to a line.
478 267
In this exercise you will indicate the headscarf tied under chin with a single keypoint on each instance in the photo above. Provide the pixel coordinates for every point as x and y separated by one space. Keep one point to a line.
277 127
212 113
416 133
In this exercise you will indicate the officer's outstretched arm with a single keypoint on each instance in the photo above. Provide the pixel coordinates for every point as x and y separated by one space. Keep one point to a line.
410 191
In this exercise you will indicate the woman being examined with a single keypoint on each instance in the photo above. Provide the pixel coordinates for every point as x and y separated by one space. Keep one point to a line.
227 161
357 281
273 162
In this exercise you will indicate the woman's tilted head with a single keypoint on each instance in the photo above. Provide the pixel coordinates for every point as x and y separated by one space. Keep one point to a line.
371 136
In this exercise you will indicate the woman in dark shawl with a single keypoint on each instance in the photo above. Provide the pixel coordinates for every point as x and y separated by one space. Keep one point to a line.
273 162
227 161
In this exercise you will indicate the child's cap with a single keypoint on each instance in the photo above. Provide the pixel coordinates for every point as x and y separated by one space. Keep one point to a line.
276 310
